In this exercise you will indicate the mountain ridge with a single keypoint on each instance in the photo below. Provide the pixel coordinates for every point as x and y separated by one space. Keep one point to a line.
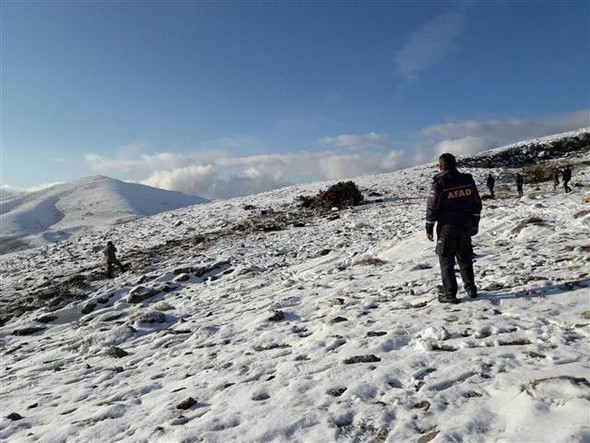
89 203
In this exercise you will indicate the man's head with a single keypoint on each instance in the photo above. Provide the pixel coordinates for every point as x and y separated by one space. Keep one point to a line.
447 162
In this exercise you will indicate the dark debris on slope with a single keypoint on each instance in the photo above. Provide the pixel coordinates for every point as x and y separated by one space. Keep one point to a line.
530 153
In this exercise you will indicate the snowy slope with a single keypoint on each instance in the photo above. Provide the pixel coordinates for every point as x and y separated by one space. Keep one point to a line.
271 324
89 203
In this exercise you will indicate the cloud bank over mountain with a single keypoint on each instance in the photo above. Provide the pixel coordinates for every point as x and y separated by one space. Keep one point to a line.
215 172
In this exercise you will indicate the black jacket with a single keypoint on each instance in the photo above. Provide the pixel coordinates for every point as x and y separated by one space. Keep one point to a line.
453 199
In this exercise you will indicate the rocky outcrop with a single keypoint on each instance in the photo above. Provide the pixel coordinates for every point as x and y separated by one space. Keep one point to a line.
530 153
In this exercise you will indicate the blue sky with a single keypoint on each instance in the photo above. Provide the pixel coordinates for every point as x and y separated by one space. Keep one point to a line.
227 98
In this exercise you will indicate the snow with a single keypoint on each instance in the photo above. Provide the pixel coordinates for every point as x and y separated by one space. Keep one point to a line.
93 203
362 352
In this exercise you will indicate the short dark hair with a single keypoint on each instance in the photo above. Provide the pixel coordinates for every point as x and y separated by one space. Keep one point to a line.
447 161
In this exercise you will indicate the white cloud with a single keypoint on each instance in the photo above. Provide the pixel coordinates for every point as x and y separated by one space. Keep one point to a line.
9 191
236 176
462 146
189 178
468 137
216 174
370 140
98 163
511 130
428 45
42 186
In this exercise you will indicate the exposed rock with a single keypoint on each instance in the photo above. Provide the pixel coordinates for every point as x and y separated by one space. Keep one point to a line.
116 352
337 301
424 404
277 316
151 317
338 320
88 308
260 396
336 392
515 342
182 277
376 333
186 404
46 318
428 437
269 347
529 153
140 294
28 331
362 359
114 317
14 416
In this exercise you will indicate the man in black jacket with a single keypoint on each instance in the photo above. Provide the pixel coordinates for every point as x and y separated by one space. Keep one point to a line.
454 205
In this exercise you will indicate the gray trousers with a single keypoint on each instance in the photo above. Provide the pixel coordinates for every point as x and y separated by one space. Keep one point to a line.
455 242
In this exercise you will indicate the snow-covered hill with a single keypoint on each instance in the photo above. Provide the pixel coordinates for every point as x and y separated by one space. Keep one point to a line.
251 320
90 203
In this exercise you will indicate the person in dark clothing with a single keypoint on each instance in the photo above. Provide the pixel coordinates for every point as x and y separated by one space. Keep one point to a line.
519 183
555 178
454 206
567 176
110 254
490 182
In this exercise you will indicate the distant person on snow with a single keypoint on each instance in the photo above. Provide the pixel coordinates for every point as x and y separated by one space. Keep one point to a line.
490 182
110 254
567 176
555 178
454 205
519 183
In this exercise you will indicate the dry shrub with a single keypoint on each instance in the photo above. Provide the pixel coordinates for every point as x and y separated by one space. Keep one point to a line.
369 261
543 172
340 195
528 222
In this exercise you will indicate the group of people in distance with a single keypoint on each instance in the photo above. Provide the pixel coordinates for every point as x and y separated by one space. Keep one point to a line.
566 174
454 207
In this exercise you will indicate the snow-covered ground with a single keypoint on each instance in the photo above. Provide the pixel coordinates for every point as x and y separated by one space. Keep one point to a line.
266 325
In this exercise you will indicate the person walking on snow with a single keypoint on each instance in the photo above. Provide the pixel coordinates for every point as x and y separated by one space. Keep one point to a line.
110 254
519 183
567 176
490 182
454 205
555 179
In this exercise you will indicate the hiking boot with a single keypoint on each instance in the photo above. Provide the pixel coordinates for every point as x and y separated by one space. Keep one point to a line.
471 293
448 299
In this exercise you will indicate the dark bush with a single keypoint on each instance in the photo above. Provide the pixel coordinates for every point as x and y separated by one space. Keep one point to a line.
340 195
